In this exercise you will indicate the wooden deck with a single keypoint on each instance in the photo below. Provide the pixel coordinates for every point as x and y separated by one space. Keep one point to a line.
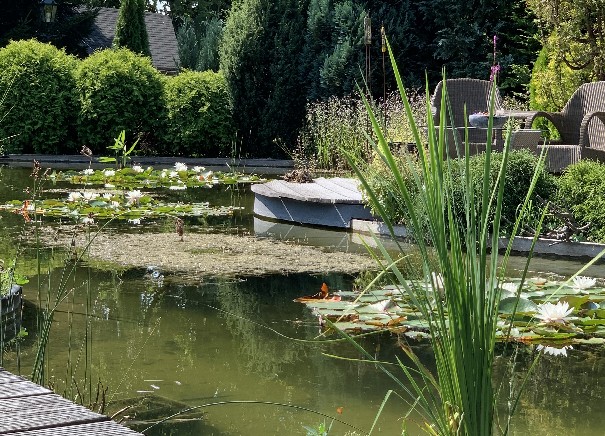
326 202
27 409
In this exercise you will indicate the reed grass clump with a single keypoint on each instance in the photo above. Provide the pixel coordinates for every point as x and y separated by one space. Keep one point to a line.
460 296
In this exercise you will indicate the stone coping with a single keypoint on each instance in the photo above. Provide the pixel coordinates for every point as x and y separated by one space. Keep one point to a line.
549 247
76 161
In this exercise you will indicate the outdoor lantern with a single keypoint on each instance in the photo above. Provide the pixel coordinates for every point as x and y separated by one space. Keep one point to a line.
49 10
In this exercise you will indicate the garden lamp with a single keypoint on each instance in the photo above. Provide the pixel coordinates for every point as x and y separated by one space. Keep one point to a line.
48 10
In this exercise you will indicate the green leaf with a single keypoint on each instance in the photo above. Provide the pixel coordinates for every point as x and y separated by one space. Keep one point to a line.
521 305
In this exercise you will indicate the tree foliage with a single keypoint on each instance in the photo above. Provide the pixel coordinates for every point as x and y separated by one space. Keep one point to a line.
131 31
22 20
259 57
199 115
119 90
39 103
580 29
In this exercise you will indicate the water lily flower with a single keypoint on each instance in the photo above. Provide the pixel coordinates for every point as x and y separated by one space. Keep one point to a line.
88 172
180 166
88 220
133 196
137 168
107 195
198 169
115 204
581 282
74 196
109 173
90 196
206 176
553 351
177 187
163 174
135 221
109 185
554 313
510 287
173 174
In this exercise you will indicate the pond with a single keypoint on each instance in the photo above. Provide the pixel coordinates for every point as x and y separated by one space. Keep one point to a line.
242 346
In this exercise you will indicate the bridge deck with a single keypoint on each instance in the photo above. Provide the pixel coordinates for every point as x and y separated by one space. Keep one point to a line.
27 409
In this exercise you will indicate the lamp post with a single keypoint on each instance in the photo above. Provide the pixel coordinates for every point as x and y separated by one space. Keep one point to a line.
49 10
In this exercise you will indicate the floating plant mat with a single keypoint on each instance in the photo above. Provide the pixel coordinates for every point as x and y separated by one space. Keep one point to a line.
546 312
178 178
132 205
200 255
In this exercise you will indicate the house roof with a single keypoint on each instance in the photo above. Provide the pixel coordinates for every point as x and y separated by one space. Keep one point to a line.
162 40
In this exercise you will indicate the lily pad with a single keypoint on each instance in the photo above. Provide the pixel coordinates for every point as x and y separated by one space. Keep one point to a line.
519 305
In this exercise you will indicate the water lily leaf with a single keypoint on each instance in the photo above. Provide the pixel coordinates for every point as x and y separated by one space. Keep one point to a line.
523 305
591 341
575 301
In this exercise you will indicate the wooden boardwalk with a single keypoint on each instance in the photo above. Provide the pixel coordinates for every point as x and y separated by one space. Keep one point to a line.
27 409
326 202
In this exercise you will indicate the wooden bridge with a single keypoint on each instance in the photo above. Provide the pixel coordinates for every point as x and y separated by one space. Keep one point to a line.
27 409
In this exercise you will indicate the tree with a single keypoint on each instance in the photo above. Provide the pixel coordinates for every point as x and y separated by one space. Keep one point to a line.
22 20
131 31
259 52
579 26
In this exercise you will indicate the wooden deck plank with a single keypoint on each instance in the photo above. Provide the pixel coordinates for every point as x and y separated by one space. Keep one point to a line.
7 377
29 409
21 388
43 411
105 428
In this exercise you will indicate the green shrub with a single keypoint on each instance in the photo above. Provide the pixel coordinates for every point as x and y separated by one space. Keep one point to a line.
582 192
119 90
521 166
40 103
199 114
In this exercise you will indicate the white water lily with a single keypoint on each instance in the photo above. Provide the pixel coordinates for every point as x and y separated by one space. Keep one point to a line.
107 196
206 176
89 196
135 221
114 205
198 169
554 313
88 172
109 173
173 174
88 221
581 282
553 351
180 166
177 187
137 168
510 287
163 174
133 196
74 196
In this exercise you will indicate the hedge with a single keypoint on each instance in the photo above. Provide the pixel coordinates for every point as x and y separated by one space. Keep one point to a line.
39 102
200 119
119 90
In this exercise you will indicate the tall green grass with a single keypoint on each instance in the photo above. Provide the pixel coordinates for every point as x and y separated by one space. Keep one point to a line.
460 297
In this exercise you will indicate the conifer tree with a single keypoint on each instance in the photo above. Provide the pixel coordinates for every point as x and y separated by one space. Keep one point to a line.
131 31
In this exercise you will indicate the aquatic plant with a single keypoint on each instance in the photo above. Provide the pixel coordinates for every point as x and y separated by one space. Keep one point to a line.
554 313
137 177
460 398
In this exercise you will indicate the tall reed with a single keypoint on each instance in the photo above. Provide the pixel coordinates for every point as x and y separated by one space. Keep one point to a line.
460 300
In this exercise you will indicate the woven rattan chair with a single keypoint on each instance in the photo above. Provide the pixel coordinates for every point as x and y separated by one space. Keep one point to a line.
472 94
581 125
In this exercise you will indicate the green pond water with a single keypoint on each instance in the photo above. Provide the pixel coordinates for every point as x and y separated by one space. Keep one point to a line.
163 348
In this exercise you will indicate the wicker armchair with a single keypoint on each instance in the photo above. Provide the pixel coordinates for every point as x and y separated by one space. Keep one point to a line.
472 94
581 125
